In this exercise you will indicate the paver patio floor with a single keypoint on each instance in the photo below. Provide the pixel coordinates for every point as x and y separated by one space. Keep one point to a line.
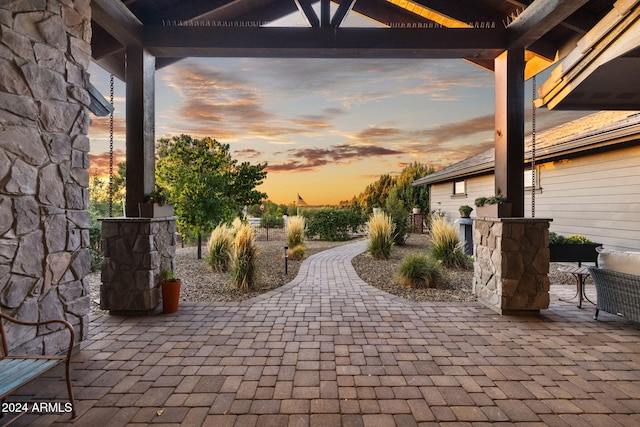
329 350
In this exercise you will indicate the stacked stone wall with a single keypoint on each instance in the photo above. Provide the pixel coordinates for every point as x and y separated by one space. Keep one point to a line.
135 253
44 155
512 263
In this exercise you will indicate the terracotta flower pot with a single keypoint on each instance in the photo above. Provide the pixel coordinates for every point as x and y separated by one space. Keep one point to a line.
170 296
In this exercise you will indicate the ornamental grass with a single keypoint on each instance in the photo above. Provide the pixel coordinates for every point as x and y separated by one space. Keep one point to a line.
220 246
419 271
244 258
297 252
295 231
380 233
446 245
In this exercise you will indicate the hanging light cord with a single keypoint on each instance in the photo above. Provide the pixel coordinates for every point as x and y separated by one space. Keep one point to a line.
111 147
533 151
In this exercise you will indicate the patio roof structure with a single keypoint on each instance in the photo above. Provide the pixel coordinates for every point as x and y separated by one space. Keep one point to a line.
514 39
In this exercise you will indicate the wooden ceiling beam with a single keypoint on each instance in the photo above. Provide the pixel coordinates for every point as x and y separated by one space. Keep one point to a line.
118 21
177 42
306 8
538 19
341 13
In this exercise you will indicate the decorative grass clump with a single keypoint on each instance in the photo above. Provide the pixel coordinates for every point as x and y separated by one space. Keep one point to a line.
244 258
446 245
297 252
380 233
419 271
220 246
295 231
295 237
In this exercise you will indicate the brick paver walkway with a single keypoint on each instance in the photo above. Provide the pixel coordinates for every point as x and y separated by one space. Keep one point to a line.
329 350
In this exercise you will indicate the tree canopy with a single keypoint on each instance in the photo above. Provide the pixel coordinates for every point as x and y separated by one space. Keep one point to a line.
376 193
206 185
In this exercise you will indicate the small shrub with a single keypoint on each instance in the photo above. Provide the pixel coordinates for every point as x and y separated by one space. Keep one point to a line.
380 233
220 246
418 271
446 245
297 252
244 258
295 231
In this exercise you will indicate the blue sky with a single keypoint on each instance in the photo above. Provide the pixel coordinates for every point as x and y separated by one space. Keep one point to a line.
326 127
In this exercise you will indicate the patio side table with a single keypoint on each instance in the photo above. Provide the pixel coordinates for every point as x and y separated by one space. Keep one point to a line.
580 274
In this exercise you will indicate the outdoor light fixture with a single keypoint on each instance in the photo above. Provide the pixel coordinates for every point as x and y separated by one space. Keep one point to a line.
286 259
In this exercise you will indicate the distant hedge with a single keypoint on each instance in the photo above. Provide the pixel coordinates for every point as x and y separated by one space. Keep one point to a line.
333 224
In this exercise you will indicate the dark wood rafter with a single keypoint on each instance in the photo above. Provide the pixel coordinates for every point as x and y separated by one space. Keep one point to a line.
180 41
325 13
538 19
341 14
118 21
307 11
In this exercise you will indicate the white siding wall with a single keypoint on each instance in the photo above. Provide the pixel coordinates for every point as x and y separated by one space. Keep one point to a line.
597 196
442 195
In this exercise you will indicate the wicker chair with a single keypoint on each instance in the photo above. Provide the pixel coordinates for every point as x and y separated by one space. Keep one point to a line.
618 293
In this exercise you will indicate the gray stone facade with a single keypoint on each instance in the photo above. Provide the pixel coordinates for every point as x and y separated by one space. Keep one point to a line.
44 155
135 252
512 263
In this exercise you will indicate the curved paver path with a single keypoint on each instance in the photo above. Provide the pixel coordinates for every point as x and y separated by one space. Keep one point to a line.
329 350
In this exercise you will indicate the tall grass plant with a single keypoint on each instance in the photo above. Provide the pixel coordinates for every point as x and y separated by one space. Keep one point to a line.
380 231
220 247
446 245
295 237
295 231
244 258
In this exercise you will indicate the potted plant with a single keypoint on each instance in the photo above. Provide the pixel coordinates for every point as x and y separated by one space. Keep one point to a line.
572 248
465 211
416 210
156 204
493 207
170 291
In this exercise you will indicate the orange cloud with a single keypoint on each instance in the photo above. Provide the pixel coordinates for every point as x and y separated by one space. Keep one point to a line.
99 163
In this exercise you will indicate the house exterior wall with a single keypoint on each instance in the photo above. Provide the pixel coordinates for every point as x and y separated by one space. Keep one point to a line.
596 195
442 195
44 155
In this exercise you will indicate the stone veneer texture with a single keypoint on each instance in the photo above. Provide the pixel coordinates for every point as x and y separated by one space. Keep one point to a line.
512 263
135 252
44 155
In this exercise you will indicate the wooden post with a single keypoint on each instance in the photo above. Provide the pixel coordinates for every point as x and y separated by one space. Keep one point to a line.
509 121
140 79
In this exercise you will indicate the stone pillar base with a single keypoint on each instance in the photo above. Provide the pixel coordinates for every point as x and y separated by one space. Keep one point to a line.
512 263
135 251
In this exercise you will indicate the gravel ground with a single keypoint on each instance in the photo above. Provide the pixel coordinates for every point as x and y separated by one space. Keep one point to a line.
201 284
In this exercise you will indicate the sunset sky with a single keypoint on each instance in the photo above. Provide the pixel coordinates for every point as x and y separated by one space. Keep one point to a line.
326 127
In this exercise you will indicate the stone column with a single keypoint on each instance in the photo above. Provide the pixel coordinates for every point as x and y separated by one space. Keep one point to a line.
512 263
44 155
135 251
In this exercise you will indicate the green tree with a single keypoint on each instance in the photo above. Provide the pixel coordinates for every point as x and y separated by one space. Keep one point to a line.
206 184
399 215
414 197
376 193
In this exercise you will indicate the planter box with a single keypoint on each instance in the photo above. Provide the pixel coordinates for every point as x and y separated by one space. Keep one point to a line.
572 252
154 210
494 211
